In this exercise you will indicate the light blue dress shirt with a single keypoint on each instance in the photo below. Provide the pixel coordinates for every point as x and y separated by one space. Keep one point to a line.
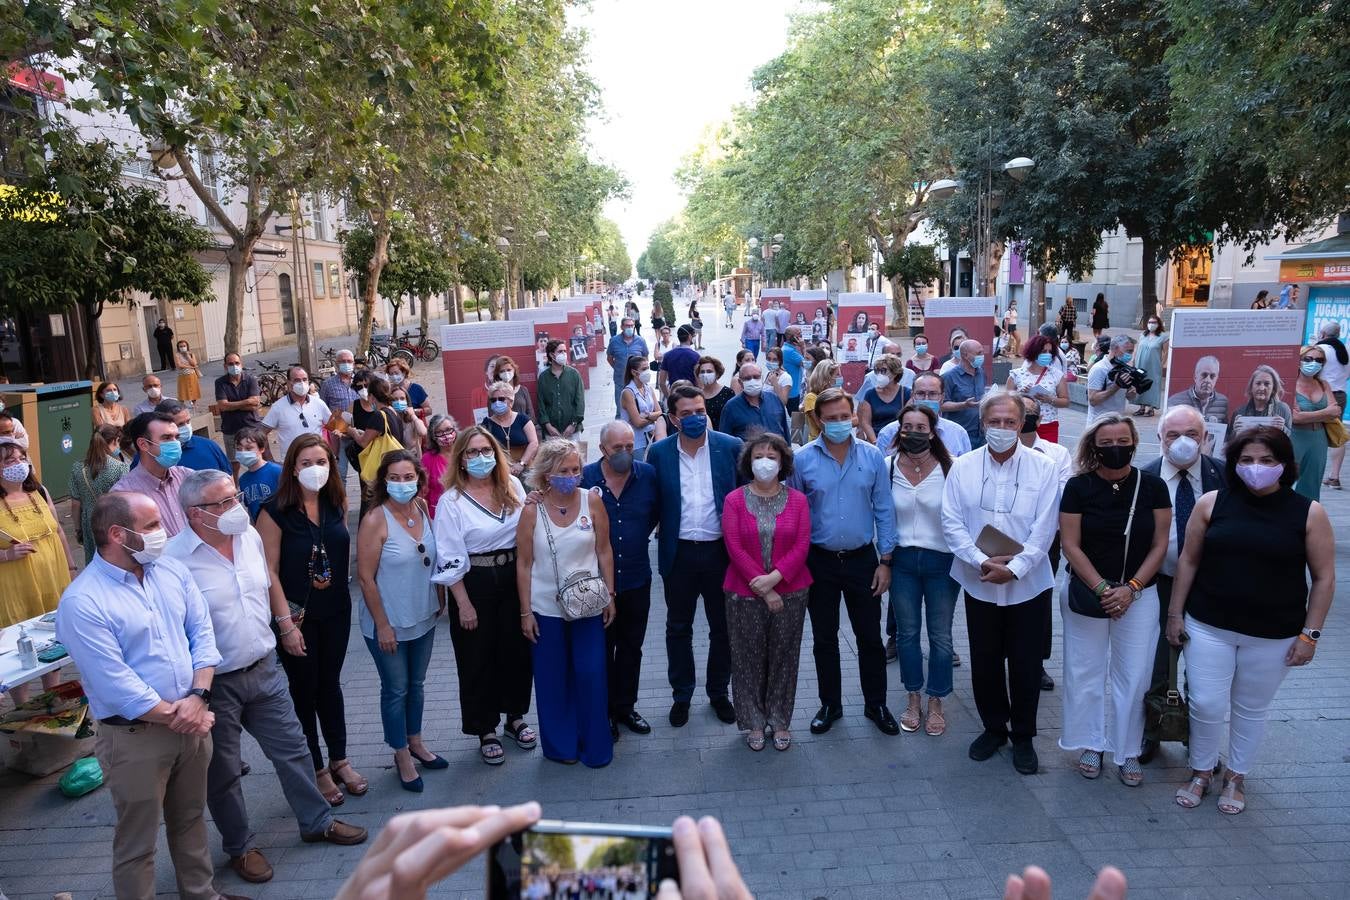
136 643
840 496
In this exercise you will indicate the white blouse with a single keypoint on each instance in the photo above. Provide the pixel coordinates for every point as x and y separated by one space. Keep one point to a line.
463 527
918 508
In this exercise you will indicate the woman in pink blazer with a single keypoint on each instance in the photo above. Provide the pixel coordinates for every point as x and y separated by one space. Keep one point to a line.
767 529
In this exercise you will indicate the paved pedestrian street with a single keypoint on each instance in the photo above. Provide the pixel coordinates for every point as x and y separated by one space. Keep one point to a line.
852 813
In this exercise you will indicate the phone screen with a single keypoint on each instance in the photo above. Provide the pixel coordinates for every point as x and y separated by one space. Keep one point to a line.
565 860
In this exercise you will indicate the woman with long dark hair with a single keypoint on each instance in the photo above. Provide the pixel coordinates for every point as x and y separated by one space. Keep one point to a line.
304 532
91 478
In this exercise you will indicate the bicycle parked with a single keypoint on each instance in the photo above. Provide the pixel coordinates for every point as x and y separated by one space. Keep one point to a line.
423 348
382 350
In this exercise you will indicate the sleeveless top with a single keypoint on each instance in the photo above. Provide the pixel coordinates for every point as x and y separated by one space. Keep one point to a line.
404 581
513 439
305 545
1253 576
575 544
1024 379
646 403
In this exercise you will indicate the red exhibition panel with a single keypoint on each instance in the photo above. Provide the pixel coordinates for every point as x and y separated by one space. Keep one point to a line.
857 314
547 323
804 305
973 316
466 351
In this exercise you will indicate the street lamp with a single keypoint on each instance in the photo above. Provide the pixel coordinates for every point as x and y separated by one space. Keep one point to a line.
987 201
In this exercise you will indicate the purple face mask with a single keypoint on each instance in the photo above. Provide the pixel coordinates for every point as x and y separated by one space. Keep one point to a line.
1258 477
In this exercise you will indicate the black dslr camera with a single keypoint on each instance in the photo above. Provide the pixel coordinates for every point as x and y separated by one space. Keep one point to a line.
1126 376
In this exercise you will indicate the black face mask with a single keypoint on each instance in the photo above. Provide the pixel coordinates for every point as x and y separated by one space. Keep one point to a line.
915 441
1029 423
1115 457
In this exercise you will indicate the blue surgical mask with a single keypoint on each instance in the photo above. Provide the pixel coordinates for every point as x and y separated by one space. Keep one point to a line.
234 370
346 368
112 396
921 348
564 484
497 407
1126 357
934 405
1044 359
170 452
695 426
978 361
401 491
1310 368
837 432
185 438
481 466
400 405
839 381
246 458
628 332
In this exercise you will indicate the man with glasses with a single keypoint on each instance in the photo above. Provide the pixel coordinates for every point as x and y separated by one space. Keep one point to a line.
158 475
999 515
198 452
238 399
225 557
927 391
623 345
338 394
300 413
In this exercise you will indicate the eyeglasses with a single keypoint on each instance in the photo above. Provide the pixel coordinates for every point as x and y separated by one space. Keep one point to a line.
1319 359
481 451
989 491
228 503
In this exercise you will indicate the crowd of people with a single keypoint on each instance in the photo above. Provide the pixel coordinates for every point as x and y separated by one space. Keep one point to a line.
215 595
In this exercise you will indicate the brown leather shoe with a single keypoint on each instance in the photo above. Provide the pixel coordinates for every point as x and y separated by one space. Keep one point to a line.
337 832
252 866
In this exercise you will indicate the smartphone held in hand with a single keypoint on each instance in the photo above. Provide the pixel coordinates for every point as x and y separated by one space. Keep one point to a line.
560 859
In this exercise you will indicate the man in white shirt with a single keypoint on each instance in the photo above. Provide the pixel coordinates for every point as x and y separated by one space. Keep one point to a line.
1104 392
1064 466
695 469
1188 474
1012 490
225 556
300 413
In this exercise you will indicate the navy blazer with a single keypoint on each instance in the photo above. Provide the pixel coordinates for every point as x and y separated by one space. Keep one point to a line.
724 451
1211 473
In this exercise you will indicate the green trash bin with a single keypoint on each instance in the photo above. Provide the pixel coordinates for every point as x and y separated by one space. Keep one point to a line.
59 421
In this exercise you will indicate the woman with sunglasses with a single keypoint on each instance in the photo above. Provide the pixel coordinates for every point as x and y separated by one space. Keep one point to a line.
304 532
35 562
436 460
1316 407
475 527
395 556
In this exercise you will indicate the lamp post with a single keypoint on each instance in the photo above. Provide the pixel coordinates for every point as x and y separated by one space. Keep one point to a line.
986 202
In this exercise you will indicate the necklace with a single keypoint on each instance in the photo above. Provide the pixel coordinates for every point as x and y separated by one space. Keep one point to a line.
411 522
1115 485
4 498
918 463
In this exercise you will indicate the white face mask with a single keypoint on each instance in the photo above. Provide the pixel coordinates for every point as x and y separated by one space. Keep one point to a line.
707 377
1184 451
765 469
1000 439
314 478
881 380
560 358
753 387
233 520
299 388
395 377
505 375
364 393
154 542
153 393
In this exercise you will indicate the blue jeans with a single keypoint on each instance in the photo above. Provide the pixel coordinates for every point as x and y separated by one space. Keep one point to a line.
922 578
401 675
752 346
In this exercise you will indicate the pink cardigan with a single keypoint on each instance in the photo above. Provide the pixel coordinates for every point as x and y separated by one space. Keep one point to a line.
791 539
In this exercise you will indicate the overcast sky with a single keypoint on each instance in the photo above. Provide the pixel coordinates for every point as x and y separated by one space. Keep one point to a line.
667 71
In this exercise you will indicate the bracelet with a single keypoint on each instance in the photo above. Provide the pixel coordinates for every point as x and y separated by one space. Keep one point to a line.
1135 585
1307 640
292 631
527 614
1173 615
1102 587
280 619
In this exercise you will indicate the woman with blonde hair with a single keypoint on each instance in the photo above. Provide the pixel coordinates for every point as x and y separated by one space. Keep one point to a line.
511 428
1316 407
475 528
1265 399
570 539
504 368
824 376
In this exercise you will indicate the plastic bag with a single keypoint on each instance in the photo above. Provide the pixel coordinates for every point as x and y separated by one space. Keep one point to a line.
84 776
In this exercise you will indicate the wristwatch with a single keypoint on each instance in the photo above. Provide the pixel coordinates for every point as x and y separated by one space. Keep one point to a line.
887 561
203 693
1314 634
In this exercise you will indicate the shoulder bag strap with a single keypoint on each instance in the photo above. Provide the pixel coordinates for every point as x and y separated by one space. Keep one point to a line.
1129 524
1172 669
552 548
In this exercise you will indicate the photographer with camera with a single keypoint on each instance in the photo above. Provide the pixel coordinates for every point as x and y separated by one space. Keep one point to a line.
1112 382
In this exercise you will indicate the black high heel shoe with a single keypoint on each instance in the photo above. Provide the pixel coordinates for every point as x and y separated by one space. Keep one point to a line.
415 786
435 762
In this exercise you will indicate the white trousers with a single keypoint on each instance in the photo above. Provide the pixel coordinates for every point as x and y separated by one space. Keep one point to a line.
1108 664
1235 675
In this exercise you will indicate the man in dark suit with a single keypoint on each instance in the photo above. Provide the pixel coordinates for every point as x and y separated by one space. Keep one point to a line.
1188 474
695 470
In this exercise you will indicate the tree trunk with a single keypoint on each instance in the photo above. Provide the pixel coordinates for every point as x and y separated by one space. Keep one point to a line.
93 342
371 291
425 322
1037 311
1149 282
393 321
994 258
240 260
899 301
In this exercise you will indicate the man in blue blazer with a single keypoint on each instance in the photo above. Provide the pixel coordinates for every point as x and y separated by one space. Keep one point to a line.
695 470
1188 474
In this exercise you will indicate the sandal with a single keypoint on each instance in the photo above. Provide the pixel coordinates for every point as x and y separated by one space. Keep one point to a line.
1090 764
1191 796
754 741
1335 483
937 722
332 793
522 734
782 741
491 756
1230 804
356 784
911 717
1131 775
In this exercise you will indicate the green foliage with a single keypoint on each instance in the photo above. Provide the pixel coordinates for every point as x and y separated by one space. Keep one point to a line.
913 266
615 853
554 849
661 295
481 269
77 234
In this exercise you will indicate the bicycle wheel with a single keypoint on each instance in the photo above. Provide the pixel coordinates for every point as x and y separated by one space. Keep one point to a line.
431 350
403 354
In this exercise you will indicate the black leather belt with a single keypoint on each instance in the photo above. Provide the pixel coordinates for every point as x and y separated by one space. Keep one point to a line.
248 668
121 722
493 559
841 554
699 543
